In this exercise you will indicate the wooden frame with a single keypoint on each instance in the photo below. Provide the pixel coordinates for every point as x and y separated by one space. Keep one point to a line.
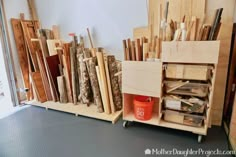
134 72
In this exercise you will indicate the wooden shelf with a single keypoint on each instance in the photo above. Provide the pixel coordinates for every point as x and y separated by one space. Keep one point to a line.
79 109
195 130
154 121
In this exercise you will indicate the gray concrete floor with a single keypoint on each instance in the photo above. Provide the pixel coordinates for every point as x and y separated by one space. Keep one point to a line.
35 132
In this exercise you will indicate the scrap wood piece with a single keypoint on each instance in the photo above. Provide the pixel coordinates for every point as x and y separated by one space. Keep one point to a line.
62 89
113 107
90 38
67 81
177 85
133 53
74 74
44 76
52 45
53 62
124 49
116 93
85 90
38 86
184 101
106 103
22 53
30 28
56 32
95 84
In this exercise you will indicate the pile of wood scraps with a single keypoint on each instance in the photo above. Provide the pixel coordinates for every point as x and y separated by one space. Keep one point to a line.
53 70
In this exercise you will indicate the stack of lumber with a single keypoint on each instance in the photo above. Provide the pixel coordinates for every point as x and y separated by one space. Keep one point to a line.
189 23
53 70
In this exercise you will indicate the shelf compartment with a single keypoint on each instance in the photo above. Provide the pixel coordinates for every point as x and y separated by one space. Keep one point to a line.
182 118
193 52
142 78
128 110
188 88
188 72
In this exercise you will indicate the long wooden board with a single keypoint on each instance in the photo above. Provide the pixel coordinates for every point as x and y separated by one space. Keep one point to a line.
52 45
30 28
53 62
22 52
38 86
44 76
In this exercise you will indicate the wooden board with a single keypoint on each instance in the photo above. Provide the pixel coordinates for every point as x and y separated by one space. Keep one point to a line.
38 86
52 44
140 32
191 52
177 10
22 52
142 78
30 28
81 110
53 62
102 72
113 109
225 39
44 76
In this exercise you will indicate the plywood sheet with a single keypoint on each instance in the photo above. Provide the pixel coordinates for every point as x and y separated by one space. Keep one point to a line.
30 28
52 45
53 62
22 52
38 86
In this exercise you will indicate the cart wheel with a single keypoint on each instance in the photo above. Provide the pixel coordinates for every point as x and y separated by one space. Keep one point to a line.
125 124
199 138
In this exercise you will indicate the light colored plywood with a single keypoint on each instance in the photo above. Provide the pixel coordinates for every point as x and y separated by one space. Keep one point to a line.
38 86
52 45
140 32
188 72
81 110
101 65
190 52
113 109
141 78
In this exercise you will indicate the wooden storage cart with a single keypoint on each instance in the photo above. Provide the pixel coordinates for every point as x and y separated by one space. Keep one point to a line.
191 59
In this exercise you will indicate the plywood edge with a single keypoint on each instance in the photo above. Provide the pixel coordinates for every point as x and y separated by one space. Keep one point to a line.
80 109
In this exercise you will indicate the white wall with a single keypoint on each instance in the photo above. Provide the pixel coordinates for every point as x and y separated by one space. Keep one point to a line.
13 8
110 21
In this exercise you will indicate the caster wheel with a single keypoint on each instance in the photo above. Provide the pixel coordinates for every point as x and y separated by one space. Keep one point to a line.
200 137
125 124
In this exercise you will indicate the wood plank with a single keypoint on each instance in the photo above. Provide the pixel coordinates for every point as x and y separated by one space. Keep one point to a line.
56 32
52 45
140 32
62 89
30 29
95 84
22 52
224 36
38 86
113 108
142 78
44 76
53 62
191 52
116 93
101 65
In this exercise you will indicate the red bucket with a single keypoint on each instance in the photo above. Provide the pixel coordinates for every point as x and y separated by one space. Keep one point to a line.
143 106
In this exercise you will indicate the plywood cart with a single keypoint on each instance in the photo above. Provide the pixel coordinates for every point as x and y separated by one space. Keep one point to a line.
190 61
